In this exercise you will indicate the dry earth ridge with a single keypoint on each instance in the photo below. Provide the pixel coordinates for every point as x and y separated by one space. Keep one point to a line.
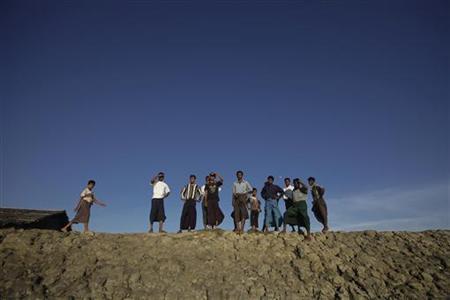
40 264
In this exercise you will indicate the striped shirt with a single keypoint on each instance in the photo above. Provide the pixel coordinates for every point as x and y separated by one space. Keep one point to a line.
191 191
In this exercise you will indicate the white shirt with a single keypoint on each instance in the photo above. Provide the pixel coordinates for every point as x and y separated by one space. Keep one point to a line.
160 190
289 188
242 187
87 195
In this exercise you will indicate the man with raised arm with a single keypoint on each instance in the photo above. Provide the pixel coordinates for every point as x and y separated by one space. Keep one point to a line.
214 213
160 192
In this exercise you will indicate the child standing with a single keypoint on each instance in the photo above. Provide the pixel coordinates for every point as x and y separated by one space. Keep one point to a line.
255 209
83 209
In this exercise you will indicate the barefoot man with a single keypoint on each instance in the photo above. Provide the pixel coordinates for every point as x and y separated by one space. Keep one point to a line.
297 213
190 195
319 205
241 194
160 192
83 209
271 193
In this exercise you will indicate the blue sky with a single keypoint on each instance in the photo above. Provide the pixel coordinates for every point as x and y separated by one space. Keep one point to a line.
354 93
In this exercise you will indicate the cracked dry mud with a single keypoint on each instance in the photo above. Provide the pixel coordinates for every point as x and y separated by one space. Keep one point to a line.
40 264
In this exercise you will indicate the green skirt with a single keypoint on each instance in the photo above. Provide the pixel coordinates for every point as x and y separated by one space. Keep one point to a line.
297 214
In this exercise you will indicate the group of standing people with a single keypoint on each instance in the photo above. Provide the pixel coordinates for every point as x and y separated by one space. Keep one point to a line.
208 195
245 202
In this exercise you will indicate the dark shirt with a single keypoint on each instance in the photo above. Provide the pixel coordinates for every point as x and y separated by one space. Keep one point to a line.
213 190
271 191
317 192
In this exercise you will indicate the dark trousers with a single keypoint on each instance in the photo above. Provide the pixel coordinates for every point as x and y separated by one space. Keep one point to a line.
205 215
254 216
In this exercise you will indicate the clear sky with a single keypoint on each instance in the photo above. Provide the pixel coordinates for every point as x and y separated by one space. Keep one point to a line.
354 93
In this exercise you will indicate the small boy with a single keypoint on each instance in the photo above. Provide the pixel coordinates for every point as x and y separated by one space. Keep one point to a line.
83 208
255 209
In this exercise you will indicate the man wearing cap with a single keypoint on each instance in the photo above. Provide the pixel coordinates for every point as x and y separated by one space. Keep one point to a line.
160 191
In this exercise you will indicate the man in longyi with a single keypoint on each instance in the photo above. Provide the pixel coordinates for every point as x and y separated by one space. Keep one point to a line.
190 195
211 197
160 192
297 213
241 194
319 208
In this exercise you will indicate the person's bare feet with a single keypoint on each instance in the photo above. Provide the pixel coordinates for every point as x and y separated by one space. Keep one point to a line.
64 229
308 238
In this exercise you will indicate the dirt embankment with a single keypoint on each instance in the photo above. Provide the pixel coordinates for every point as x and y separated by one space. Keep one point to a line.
39 264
